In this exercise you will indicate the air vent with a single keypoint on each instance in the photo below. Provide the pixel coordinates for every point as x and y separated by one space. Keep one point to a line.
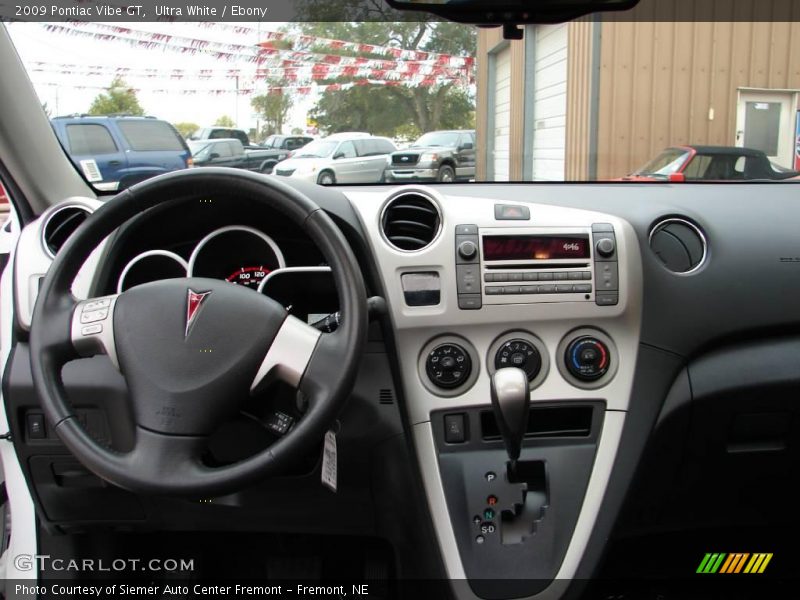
679 244
60 225
385 396
410 222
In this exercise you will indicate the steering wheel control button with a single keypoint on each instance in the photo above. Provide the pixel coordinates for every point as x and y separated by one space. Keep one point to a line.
455 428
94 315
521 354
448 366
92 329
279 423
587 358
96 304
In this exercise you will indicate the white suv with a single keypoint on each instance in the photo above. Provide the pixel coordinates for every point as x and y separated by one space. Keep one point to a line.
339 158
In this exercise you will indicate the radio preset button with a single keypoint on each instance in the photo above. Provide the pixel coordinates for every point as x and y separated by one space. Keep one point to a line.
511 289
545 277
561 276
493 290
564 288
530 276
547 289
582 288
514 277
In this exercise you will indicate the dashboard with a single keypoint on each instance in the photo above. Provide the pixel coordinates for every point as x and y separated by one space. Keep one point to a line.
611 298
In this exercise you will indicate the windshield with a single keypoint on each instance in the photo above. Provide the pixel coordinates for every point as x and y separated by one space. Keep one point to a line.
437 139
197 147
588 100
318 149
666 163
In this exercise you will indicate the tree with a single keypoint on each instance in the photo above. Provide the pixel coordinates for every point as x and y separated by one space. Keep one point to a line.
119 99
224 121
186 129
273 107
389 110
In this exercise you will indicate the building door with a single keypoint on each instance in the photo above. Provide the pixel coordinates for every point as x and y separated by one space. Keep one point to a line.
765 121
550 103
502 116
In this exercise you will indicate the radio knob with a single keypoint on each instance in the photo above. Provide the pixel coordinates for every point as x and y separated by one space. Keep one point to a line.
605 247
467 250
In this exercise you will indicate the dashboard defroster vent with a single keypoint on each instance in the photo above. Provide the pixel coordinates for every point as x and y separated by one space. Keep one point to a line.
60 225
411 222
679 244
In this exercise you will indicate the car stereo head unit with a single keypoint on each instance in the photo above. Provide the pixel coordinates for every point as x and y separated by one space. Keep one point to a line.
521 265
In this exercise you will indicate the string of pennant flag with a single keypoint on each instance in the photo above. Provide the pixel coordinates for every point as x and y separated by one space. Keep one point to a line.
271 90
266 50
293 74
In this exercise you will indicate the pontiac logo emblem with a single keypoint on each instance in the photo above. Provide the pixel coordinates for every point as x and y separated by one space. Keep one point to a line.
193 302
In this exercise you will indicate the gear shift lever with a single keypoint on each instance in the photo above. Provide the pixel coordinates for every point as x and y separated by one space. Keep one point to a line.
510 402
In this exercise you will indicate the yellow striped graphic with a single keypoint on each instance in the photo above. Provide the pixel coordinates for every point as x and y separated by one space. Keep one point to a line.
736 562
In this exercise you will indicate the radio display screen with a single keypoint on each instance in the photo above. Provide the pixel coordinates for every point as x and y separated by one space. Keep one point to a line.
535 247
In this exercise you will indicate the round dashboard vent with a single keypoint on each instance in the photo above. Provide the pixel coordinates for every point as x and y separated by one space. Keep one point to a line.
411 221
60 225
679 244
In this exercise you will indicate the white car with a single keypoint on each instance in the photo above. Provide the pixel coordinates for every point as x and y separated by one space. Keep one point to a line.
339 158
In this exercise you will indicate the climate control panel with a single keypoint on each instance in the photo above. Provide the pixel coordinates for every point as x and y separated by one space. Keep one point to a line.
587 358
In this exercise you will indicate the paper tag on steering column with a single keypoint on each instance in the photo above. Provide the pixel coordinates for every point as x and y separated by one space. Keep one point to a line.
329 461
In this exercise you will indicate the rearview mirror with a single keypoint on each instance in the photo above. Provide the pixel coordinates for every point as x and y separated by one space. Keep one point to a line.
510 12
338 155
213 155
467 146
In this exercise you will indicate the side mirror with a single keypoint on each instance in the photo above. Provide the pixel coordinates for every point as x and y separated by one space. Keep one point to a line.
676 178
338 155
467 146
213 155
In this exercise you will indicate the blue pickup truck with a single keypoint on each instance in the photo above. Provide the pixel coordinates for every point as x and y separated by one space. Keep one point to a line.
113 153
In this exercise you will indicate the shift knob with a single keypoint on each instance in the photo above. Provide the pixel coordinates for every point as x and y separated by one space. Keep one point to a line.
510 402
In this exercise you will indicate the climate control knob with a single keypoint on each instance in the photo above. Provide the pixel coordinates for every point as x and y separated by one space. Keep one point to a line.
520 354
448 366
587 358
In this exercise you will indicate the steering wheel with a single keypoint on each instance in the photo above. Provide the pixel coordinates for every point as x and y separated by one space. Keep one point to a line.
188 349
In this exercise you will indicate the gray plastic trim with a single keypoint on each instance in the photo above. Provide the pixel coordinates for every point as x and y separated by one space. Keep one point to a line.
289 354
144 256
229 229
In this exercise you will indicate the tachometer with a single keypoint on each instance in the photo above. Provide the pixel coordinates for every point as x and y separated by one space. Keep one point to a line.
249 276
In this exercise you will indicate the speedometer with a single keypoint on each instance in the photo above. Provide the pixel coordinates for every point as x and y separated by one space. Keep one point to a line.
237 253
249 276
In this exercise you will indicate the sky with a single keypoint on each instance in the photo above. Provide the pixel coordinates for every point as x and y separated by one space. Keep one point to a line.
59 90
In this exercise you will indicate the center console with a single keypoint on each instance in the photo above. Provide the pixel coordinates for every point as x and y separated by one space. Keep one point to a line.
517 329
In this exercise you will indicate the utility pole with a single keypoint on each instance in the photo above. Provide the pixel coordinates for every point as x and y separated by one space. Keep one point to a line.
236 107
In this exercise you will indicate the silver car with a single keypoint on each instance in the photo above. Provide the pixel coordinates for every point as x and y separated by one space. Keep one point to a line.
340 158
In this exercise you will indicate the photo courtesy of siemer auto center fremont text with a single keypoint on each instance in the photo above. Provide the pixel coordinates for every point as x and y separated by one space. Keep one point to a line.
400 299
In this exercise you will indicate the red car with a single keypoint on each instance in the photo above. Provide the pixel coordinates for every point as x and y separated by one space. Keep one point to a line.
710 163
